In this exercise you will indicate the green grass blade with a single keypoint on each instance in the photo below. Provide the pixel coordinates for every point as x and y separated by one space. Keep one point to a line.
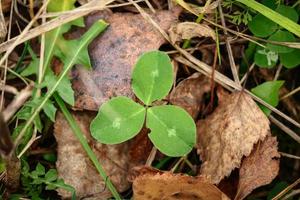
80 136
96 29
274 16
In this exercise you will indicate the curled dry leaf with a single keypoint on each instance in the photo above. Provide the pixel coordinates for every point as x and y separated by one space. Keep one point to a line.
197 10
114 53
168 186
188 30
208 9
75 167
229 133
189 92
259 168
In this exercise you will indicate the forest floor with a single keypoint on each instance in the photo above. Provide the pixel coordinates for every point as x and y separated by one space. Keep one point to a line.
150 99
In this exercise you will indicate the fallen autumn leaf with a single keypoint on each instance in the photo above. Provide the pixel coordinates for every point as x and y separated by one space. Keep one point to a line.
229 133
259 168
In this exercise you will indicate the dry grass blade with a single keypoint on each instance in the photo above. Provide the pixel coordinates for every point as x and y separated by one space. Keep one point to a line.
202 67
289 155
22 35
50 92
80 9
290 132
229 50
244 78
253 38
8 88
3 29
17 102
242 35
291 93
4 74
291 194
283 192
208 74
48 26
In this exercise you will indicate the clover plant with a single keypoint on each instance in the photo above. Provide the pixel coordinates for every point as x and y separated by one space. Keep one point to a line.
173 130
269 92
263 27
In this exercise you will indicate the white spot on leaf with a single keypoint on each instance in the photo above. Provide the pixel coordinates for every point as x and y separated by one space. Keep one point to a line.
171 132
155 73
117 123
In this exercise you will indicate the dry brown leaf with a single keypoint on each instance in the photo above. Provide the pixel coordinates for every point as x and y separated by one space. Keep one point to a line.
168 186
229 133
5 4
207 55
114 53
228 185
139 148
188 30
259 168
206 10
189 92
75 167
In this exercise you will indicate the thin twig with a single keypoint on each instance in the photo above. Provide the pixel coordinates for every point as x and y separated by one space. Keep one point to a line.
151 156
23 34
287 130
42 54
19 101
52 24
80 9
3 29
150 6
31 12
16 74
68 65
291 93
277 72
6 60
38 92
229 50
29 143
245 76
289 155
291 194
177 164
8 88
18 13
283 192
255 39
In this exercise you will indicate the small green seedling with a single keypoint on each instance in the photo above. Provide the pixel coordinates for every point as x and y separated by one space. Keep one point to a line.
173 130
34 182
263 27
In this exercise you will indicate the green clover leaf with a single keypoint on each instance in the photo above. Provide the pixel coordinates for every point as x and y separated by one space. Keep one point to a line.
152 76
173 130
118 120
